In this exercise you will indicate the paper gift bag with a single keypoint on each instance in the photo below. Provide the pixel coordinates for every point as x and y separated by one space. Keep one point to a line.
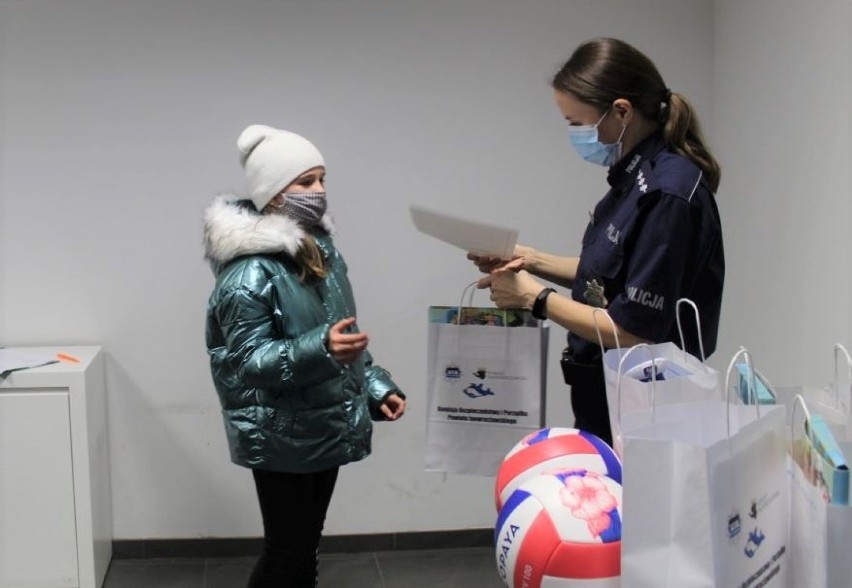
659 374
833 402
486 389
820 532
705 496
820 535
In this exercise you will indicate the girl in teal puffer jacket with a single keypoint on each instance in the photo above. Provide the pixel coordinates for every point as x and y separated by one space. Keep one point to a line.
297 386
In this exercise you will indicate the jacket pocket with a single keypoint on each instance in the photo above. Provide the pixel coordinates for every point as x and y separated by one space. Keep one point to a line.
606 261
328 393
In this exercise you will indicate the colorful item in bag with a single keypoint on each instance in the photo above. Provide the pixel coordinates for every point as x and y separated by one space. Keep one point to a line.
763 391
472 315
561 528
660 367
825 442
822 461
549 449
835 470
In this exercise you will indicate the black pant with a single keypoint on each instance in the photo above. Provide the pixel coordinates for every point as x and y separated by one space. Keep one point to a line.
293 507
588 396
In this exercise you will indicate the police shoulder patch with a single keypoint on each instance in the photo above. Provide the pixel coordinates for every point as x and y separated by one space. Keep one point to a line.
676 175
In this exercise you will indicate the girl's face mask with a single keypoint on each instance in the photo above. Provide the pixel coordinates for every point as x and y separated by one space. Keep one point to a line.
585 141
306 208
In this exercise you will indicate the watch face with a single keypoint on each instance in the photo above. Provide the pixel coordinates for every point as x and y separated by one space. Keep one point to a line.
594 294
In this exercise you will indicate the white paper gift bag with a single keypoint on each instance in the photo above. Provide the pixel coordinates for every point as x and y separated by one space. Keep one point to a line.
832 402
820 532
677 377
705 496
486 389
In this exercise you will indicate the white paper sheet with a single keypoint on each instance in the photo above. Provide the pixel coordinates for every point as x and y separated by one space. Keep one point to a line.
474 236
11 360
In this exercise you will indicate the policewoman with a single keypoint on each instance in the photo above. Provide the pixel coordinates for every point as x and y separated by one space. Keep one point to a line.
655 237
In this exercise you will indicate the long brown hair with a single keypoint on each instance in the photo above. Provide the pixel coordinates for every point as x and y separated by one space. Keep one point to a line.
310 260
603 70
309 257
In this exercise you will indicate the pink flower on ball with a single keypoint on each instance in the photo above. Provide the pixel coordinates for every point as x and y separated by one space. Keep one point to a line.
590 500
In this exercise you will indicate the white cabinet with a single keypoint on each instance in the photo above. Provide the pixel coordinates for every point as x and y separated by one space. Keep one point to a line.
55 501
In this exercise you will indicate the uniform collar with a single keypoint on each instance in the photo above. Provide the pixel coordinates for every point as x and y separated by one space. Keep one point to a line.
628 166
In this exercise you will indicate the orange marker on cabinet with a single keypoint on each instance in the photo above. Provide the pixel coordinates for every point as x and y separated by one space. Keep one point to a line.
66 357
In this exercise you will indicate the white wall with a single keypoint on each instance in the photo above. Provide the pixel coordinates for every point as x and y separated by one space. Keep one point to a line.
783 127
3 244
120 121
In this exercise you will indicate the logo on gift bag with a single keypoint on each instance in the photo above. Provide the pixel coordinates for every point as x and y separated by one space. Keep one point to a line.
734 525
452 372
475 390
755 538
480 373
758 505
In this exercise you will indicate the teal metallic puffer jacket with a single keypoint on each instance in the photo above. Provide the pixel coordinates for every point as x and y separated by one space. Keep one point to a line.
288 405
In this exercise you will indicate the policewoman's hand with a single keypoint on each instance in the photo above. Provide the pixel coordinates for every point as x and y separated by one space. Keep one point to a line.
513 289
520 260
343 346
487 264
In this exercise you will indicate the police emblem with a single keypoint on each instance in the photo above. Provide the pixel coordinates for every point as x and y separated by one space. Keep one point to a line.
594 294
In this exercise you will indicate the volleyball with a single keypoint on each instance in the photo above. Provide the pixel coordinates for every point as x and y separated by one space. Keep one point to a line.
561 529
550 449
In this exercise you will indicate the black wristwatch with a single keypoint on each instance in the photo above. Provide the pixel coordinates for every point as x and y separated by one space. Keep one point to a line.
540 301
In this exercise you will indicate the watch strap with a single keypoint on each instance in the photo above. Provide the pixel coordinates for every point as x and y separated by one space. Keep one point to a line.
540 302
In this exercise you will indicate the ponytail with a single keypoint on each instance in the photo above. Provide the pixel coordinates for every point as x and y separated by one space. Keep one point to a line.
682 134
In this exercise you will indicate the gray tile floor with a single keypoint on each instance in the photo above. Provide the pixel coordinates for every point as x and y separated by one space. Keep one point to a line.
435 568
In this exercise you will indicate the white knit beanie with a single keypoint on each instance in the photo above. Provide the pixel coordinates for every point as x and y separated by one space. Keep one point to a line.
272 159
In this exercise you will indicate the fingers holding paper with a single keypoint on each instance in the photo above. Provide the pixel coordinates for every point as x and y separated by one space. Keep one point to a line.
487 264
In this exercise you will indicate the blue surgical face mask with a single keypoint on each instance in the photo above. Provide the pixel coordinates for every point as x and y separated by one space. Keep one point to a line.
585 141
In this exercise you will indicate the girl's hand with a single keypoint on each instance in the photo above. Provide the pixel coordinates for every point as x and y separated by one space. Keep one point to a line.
343 346
393 407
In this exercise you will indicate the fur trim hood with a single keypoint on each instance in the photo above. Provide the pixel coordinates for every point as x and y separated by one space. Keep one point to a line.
233 228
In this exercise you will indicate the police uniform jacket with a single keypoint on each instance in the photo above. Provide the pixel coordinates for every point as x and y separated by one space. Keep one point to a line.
287 404
654 238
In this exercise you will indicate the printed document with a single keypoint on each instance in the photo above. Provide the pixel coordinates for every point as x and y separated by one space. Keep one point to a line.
473 236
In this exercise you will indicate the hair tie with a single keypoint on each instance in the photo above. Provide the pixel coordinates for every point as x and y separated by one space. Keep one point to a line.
665 104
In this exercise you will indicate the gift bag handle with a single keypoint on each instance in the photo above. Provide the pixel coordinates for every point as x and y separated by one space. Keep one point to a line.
697 325
653 378
472 288
837 349
679 328
598 330
799 400
752 387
